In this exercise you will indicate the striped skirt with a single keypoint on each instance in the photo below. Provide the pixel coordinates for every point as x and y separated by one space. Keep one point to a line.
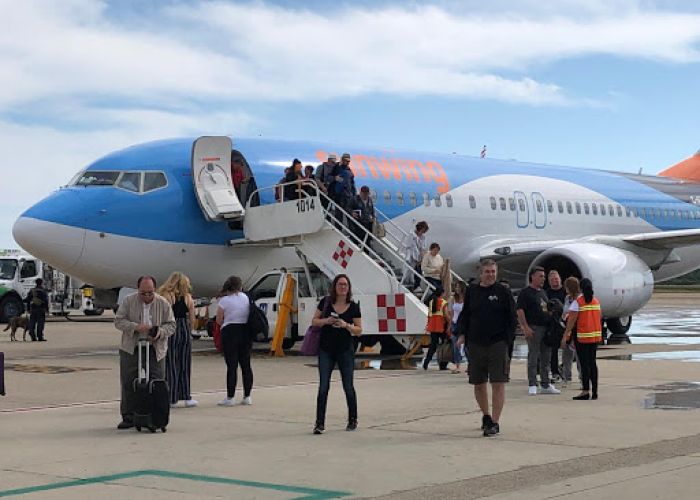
178 362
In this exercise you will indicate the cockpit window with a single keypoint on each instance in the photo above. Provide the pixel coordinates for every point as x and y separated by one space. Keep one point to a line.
154 180
95 178
131 181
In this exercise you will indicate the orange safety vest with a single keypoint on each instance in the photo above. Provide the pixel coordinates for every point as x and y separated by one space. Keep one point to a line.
588 323
437 323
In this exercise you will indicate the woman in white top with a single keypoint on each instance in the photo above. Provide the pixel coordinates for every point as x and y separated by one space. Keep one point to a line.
414 249
457 305
232 316
569 348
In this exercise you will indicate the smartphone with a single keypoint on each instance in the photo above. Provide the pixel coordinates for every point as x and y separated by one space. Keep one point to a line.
153 331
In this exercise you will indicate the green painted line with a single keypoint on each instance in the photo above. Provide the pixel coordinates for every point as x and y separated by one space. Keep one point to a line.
307 493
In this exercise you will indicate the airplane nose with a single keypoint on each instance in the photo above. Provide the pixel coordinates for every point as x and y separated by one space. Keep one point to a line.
53 229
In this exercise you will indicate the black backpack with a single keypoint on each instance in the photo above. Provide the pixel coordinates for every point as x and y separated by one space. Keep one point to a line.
257 321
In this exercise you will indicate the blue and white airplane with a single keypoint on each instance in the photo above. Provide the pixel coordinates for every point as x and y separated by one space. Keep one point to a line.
136 211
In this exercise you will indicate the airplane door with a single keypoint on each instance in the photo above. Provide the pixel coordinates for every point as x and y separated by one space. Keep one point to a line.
522 209
539 210
211 177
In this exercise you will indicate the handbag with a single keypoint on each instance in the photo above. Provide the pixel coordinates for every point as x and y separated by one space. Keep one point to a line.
445 353
378 229
312 337
257 321
218 341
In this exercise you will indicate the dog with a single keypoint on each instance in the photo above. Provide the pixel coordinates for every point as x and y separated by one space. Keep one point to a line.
15 324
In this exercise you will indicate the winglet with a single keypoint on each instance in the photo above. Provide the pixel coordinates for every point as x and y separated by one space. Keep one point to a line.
688 169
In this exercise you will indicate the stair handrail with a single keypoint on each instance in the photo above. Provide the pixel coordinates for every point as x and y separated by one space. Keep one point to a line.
399 241
330 208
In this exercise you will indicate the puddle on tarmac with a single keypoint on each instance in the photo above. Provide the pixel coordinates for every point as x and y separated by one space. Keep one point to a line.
673 400
666 326
684 356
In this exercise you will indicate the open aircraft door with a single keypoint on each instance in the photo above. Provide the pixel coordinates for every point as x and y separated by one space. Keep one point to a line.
211 176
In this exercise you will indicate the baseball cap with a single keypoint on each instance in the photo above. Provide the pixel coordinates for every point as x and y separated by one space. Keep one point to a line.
333 157
346 156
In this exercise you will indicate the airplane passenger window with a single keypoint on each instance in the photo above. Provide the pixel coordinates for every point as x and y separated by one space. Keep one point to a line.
550 206
153 180
492 199
594 208
399 197
412 198
438 201
578 208
560 207
502 203
387 196
131 181
619 211
642 212
538 204
521 205
586 208
611 212
602 209
666 213
426 199
91 178
511 204
628 211
448 200
568 208
472 202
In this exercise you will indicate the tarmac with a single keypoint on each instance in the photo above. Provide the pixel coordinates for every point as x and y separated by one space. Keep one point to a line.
418 433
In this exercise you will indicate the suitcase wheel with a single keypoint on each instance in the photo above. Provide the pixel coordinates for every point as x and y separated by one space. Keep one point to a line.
138 428
152 429
163 429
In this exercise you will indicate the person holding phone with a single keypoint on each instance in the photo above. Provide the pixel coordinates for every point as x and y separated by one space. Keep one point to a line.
340 320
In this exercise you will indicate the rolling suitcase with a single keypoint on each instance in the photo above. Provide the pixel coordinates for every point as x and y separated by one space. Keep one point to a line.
152 397
2 373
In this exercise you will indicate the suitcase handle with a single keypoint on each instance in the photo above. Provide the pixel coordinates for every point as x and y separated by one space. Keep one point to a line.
143 347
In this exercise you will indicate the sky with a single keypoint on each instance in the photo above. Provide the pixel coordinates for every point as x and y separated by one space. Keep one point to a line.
608 84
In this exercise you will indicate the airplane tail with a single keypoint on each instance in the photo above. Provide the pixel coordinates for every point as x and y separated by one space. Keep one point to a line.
688 169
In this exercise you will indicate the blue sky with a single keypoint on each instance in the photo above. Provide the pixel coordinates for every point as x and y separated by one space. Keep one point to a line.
599 84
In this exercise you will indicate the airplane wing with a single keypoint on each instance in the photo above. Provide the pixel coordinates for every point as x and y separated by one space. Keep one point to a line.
667 240
662 240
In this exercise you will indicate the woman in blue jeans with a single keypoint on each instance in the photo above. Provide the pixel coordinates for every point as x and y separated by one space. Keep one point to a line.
339 319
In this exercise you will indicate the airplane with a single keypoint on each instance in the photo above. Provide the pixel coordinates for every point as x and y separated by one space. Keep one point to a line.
147 209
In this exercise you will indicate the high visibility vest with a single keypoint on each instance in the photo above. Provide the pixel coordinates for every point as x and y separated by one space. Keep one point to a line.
436 320
588 323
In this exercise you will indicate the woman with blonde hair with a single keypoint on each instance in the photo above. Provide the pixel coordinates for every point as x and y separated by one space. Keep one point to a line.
178 362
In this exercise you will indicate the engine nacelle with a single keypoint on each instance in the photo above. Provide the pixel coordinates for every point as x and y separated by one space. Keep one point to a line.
622 282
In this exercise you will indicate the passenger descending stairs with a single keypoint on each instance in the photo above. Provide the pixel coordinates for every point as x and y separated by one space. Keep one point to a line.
326 235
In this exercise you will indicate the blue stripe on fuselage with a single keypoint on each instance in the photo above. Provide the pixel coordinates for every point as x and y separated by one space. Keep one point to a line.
173 214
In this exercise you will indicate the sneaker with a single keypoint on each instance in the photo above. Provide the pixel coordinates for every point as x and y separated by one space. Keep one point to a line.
492 430
247 401
550 389
556 377
352 425
486 422
532 390
226 402
319 428
191 403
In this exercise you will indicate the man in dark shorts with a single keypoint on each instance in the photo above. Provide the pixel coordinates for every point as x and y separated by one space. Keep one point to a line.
487 323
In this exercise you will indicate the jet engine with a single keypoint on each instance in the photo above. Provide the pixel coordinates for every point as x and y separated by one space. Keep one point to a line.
622 282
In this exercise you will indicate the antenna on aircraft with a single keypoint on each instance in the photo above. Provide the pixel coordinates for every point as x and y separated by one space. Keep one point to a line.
640 171
483 151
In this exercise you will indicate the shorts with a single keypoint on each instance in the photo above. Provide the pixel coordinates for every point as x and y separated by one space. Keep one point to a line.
488 363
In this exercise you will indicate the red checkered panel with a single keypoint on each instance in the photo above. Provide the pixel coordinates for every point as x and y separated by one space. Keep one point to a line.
391 312
342 254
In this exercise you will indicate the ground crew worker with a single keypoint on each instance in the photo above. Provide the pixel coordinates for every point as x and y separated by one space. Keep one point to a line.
38 304
439 328
486 324
584 313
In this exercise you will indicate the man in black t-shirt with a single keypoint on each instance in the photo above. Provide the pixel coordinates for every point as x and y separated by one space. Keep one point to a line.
38 303
555 291
487 323
533 317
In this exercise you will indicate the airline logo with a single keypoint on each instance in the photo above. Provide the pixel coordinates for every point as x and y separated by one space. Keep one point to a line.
391 313
406 169
343 254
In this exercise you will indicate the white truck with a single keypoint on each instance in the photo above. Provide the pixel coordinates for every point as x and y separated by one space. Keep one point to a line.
18 274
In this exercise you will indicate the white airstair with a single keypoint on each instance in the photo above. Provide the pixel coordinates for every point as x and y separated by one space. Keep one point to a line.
326 235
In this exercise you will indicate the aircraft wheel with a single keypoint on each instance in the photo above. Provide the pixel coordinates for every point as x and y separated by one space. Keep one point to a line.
618 328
